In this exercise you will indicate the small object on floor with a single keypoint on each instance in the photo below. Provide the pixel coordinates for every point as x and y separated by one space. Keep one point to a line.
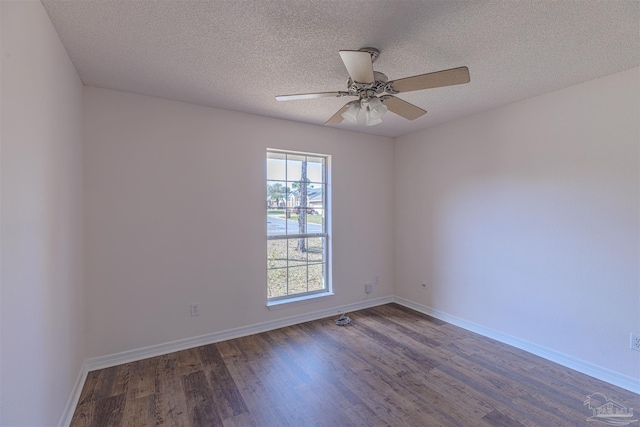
343 320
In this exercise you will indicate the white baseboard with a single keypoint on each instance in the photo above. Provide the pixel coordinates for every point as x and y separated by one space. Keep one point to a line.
611 377
183 344
74 397
102 362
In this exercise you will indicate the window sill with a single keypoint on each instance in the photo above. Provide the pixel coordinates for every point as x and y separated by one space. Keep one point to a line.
290 302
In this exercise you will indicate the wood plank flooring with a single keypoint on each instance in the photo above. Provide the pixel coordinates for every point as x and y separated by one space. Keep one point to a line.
390 367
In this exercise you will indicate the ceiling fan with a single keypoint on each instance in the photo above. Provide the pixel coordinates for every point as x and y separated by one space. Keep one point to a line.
367 84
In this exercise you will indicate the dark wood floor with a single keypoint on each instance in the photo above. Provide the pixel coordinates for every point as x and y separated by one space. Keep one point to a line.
391 367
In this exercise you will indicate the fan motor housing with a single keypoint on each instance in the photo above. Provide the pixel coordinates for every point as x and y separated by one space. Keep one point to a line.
378 86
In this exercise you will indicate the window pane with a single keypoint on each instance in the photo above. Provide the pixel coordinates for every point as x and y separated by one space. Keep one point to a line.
294 167
318 218
297 280
277 282
315 249
276 166
314 198
276 223
277 193
276 254
315 169
313 223
297 252
316 281
293 223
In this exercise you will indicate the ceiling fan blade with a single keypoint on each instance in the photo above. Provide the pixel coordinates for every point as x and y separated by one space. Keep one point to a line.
358 65
337 117
402 108
454 76
311 95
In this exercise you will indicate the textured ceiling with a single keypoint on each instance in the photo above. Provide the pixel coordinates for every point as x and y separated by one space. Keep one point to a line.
240 54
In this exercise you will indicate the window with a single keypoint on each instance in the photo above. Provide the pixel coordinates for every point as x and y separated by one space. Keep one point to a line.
297 214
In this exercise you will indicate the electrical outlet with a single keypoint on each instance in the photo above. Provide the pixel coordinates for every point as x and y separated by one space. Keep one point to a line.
635 342
195 309
368 288
376 280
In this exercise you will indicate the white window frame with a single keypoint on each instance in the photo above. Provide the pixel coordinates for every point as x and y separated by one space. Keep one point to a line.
275 302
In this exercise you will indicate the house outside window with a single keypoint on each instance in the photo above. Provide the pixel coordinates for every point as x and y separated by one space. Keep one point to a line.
297 218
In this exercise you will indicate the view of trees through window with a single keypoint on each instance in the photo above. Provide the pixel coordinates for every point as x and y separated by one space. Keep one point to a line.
296 224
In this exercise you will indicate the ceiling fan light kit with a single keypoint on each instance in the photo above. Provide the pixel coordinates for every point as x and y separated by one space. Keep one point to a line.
351 115
373 107
367 84
376 108
372 120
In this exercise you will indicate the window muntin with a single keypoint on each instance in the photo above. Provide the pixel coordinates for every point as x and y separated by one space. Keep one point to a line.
297 239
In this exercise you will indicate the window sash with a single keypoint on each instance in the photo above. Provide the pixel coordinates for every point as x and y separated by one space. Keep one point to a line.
295 236
323 184
324 290
292 266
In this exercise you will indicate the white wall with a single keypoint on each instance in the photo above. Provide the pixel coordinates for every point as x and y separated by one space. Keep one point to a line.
42 317
525 220
175 205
